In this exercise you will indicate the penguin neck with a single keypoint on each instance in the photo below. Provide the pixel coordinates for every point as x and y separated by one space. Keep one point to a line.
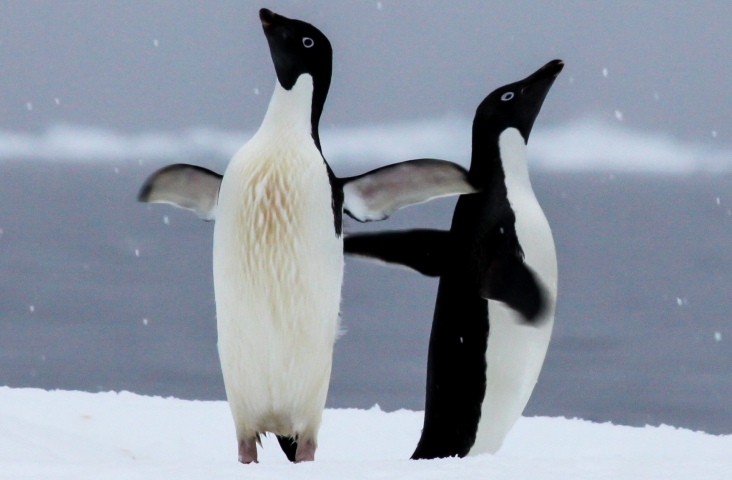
512 151
292 110
499 157
485 164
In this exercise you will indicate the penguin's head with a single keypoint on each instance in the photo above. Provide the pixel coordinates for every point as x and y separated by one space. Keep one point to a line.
517 105
297 48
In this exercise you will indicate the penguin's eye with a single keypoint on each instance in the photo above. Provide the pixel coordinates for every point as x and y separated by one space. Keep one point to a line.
507 96
308 42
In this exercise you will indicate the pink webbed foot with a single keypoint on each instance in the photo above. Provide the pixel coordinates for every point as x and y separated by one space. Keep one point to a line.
305 451
248 451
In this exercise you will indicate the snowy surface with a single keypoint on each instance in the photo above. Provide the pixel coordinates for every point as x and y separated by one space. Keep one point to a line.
582 145
64 434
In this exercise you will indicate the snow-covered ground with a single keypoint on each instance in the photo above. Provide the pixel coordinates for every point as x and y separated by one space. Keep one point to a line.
76 435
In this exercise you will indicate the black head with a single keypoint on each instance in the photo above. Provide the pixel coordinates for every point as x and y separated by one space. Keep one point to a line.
298 48
518 104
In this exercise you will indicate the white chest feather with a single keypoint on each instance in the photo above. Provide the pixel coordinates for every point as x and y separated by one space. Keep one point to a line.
516 352
278 269
532 227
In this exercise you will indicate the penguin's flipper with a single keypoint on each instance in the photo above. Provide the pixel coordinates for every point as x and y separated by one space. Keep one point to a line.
185 186
422 250
379 193
511 281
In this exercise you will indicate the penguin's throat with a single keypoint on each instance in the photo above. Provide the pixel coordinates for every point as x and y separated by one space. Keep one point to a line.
512 149
290 110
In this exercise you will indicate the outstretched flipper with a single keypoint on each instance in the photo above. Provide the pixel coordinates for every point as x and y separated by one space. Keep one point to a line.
372 196
185 186
422 250
507 279
379 193
510 281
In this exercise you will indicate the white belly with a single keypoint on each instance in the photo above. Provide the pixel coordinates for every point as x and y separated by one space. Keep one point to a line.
516 352
278 269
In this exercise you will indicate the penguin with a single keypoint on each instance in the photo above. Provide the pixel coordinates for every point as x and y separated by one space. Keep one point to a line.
497 291
278 244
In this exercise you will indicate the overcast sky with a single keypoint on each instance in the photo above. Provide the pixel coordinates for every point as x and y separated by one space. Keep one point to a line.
172 64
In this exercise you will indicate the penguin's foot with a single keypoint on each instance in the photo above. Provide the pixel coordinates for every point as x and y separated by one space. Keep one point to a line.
248 451
305 451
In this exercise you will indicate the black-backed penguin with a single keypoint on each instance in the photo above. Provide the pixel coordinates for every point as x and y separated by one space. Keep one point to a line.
498 282
278 249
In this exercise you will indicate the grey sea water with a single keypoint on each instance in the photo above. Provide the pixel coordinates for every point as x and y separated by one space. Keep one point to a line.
98 292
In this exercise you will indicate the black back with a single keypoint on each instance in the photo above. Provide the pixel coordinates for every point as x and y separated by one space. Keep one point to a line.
482 230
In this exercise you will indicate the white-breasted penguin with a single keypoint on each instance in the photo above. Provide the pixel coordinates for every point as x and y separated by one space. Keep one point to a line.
497 265
278 248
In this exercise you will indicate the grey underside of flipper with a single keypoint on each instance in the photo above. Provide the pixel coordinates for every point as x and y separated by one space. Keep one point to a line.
508 280
186 186
372 196
379 193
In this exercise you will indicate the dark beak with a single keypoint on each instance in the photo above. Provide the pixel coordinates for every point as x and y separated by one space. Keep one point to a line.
550 71
267 17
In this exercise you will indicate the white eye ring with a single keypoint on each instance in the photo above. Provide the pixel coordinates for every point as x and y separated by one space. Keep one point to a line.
308 42
507 96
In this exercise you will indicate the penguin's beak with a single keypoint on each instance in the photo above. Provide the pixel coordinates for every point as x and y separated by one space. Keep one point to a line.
268 18
545 76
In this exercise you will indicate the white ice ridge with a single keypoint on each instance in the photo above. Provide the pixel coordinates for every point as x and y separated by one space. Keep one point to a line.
581 145
63 434
596 146
91 144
